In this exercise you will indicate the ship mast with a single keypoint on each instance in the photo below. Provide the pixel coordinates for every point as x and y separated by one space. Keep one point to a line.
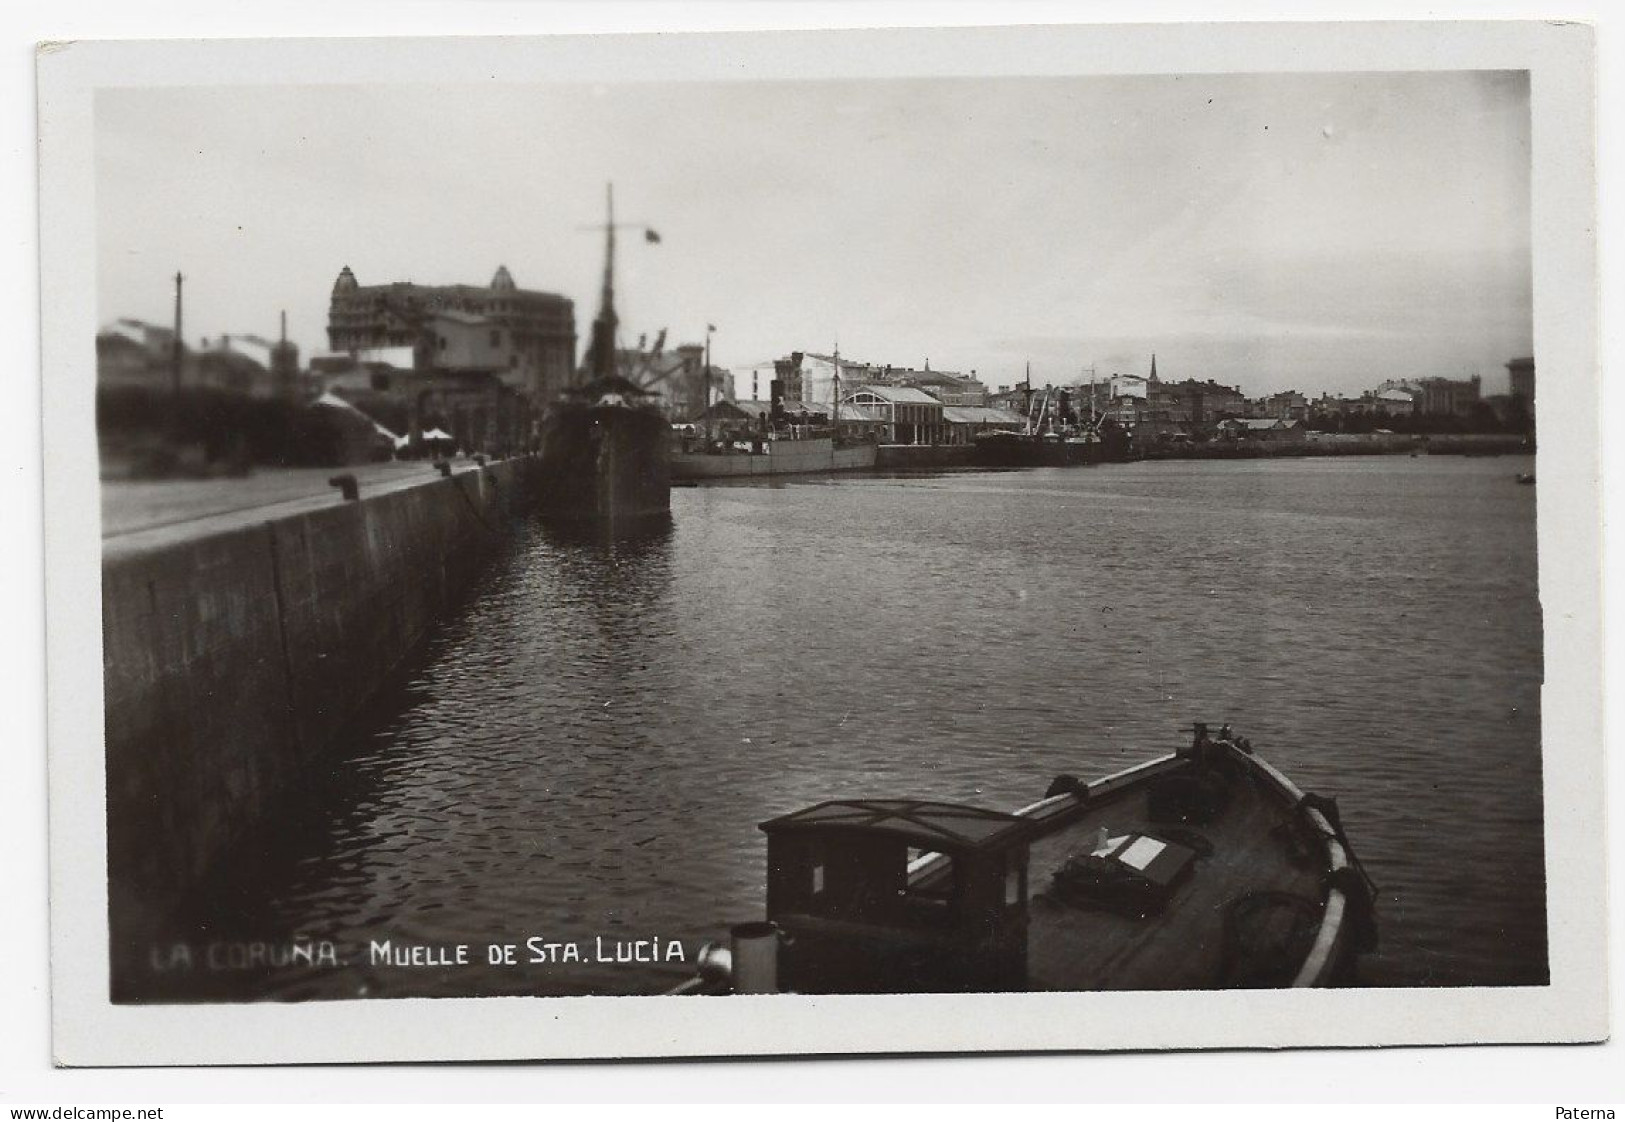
603 328
1027 398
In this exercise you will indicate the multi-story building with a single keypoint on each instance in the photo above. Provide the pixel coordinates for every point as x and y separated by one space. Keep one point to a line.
1196 404
957 391
1016 398
807 377
1394 403
752 383
1287 405
1522 373
1439 396
1114 391
524 338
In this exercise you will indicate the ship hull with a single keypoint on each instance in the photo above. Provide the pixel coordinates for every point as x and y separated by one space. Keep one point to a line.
782 457
605 463
1019 450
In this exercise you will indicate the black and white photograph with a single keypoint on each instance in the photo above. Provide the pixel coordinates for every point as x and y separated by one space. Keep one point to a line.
641 526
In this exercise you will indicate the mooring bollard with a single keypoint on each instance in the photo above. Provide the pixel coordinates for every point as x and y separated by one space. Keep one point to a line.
347 485
755 957
443 468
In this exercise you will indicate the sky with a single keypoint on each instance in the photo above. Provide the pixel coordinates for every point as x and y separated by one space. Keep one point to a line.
1314 232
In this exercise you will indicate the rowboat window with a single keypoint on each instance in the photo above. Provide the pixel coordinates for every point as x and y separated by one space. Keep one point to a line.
931 882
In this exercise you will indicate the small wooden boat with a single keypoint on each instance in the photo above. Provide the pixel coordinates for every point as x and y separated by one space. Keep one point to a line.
1203 869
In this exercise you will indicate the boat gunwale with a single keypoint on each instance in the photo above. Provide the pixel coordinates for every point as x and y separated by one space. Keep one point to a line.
1322 957
1052 814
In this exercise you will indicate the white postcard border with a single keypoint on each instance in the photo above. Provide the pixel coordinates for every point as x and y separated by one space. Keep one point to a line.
88 1029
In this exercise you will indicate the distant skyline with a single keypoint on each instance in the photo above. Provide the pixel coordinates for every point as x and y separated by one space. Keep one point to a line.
1314 232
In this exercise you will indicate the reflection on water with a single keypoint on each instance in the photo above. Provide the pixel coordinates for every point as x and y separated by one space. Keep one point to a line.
585 749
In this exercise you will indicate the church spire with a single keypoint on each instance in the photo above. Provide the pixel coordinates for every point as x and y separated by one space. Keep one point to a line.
1153 366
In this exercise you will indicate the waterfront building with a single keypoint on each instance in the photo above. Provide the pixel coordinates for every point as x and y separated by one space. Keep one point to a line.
1288 404
1200 405
790 383
130 352
1439 396
954 390
1394 403
524 338
1015 398
810 377
1114 391
1521 371
1271 430
911 416
375 369
751 383
752 419
964 422
234 363
466 398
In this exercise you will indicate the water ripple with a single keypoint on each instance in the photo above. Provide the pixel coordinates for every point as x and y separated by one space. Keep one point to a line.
588 745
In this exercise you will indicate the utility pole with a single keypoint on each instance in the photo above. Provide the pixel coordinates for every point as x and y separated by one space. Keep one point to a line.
180 348
835 395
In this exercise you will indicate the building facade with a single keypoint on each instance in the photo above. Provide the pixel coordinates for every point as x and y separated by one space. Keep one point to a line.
1439 396
526 339
1522 373
1194 403
912 416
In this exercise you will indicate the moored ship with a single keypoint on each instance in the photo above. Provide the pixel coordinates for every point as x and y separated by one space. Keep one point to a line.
750 438
1031 449
1052 436
606 448
1206 868
777 456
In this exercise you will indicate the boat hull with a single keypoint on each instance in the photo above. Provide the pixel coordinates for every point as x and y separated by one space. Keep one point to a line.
1015 450
1262 906
782 457
1202 869
605 463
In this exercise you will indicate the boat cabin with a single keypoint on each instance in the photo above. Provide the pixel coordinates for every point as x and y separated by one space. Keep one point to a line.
897 895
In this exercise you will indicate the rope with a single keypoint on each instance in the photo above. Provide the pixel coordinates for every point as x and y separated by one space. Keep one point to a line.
1247 958
1353 881
1328 810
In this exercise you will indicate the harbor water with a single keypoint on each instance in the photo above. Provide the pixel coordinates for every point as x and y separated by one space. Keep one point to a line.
582 752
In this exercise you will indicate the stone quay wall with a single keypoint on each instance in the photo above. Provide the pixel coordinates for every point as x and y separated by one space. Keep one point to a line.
233 661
